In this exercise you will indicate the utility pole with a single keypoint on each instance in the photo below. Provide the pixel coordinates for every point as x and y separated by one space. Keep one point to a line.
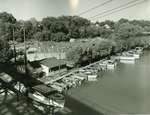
14 45
25 52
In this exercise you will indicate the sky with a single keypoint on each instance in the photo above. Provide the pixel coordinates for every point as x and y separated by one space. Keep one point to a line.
26 9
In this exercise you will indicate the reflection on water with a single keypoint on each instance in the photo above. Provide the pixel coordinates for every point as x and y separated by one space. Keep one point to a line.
124 90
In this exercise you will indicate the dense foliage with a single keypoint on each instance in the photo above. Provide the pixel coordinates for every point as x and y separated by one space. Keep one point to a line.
64 28
6 52
119 36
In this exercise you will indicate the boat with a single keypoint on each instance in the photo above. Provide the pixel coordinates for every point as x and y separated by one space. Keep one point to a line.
78 77
59 83
46 96
139 50
41 96
92 77
81 74
67 82
111 64
127 58
56 86
134 53
103 64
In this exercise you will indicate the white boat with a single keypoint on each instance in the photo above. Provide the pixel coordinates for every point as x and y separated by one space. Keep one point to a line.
46 96
92 77
135 54
111 64
103 64
127 59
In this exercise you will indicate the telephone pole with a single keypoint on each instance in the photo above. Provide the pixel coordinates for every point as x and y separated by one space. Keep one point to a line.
25 51
14 44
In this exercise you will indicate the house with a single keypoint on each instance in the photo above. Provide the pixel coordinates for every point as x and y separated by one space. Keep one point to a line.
53 66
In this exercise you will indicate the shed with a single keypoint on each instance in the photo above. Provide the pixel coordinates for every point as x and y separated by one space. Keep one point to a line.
52 66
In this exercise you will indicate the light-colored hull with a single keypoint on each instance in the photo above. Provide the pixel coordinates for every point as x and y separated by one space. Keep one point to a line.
127 58
127 61
111 66
137 56
92 77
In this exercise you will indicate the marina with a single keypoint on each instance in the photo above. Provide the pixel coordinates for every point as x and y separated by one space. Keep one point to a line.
122 91
90 72
59 58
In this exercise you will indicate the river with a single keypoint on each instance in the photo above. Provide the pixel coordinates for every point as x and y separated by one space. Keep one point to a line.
125 90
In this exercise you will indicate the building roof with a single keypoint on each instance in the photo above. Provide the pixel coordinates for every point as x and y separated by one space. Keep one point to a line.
53 62
35 64
44 89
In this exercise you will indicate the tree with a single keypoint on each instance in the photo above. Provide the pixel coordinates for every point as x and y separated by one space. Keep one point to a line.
107 22
123 20
6 21
47 22
59 36
6 52
92 31
6 17
127 30
75 55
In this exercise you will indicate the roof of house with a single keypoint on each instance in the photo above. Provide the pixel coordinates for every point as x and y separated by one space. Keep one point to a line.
53 62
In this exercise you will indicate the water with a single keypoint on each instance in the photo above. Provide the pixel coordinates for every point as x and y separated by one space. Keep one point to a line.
123 90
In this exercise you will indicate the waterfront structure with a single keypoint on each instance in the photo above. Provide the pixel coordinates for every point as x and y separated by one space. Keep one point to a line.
39 95
53 66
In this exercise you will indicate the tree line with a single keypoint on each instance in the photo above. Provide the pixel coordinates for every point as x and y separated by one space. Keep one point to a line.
64 28
119 35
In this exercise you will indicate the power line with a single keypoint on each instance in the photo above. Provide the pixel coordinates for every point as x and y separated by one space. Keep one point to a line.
107 11
122 9
102 4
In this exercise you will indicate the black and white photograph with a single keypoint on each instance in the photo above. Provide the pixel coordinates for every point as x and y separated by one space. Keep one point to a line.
74 57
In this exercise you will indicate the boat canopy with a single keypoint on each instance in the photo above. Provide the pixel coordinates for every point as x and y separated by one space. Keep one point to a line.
44 89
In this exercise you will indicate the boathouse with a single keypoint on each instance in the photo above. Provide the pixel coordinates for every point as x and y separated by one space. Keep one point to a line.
53 66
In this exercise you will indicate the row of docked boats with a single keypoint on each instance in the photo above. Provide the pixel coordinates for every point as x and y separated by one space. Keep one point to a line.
90 72
87 73
131 55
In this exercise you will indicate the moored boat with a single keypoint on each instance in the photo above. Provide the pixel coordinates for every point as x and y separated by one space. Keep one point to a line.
46 96
127 58
111 64
134 53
